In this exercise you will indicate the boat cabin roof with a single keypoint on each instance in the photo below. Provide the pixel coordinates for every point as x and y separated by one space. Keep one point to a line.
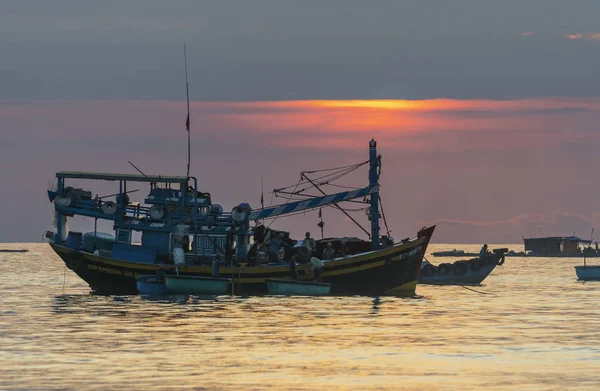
121 177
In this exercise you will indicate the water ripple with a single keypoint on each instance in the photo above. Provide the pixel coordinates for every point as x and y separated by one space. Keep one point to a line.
535 329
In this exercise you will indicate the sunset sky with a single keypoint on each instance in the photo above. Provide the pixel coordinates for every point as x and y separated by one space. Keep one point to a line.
486 113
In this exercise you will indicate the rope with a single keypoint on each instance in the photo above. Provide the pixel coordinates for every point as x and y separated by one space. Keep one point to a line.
384 219
337 168
297 184
64 278
344 187
476 291
341 171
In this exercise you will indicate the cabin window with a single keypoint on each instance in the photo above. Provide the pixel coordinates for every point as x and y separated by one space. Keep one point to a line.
123 236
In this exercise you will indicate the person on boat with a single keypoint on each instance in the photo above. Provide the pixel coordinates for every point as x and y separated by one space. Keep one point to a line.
293 271
309 243
344 250
328 252
317 267
252 254
215 266
273 247
483 252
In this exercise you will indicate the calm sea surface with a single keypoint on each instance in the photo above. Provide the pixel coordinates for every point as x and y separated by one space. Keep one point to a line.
536 328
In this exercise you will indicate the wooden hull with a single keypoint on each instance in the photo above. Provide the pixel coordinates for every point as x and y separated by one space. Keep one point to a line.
390 271
297 288
474 272
587 273
195 285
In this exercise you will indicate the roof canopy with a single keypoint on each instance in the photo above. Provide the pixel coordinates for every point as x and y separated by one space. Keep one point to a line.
121 177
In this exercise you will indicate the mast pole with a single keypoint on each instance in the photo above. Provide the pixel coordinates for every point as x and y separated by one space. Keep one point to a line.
187 122
374 165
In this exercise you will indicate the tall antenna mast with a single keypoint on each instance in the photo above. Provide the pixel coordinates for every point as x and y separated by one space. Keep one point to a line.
187 121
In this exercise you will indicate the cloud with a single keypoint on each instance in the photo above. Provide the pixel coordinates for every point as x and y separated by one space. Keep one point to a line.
594 36
466 164
575 36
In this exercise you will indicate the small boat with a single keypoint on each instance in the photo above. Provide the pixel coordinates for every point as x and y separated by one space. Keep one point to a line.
464 272
151 284
197 285
452 253
13 251
297 288
587 273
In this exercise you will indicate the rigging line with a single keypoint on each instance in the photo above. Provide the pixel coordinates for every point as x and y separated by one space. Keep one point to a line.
319 178
337 168
344 187
383 214
333 174
330 177
335 177
287 192
344 169
350 217
298 184
327 182
473 290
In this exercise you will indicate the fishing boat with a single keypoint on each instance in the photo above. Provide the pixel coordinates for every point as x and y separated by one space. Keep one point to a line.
183 232
153 284
463 272
196 285
297 288
561 246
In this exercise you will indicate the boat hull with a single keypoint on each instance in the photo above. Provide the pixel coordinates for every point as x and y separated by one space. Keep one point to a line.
588 273
476 270
150 285
297 288
195 285
390 271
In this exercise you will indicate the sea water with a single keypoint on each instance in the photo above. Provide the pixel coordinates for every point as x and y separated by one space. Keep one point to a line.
531 325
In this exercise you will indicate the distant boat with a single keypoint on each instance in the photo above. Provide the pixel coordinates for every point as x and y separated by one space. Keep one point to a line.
560 246
13 251
587 273
196 285
297 288
467 272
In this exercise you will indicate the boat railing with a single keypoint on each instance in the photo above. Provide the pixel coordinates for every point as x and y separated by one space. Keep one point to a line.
139 212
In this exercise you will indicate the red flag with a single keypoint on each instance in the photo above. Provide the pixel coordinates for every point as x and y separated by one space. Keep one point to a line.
187 123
